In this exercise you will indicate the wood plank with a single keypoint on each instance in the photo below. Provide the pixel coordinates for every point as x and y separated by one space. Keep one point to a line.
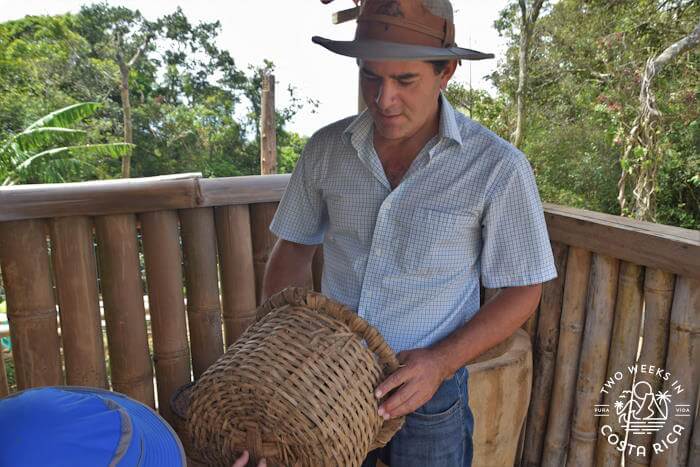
545 351
683 365
98 197
658 296
122 293
31 307
623 354
251 189
202 281
163 258
75 269
658 246
600 309
237 273
571 326
343 16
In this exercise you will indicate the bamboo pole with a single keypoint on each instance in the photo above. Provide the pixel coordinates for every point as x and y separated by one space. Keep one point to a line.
623 354
658 297
600 308
545 354
31 308
122 294
694 452
261 215
75 269
317 268
237 273
573 317
268 126
161 249
202 281
4 386
683 365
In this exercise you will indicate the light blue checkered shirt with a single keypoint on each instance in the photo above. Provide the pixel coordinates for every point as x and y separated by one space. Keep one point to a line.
409 260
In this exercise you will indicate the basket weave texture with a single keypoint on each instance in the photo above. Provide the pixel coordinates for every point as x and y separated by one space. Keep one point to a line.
297 388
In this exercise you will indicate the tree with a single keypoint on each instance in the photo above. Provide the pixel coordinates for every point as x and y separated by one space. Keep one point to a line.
528 17
24 159
582 94
644 135
192 108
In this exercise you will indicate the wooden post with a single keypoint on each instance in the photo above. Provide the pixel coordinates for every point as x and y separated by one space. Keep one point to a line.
166 303
4 387
75 269
268 127
317 268
543 358
694 453
237 273
658 296
202 281
623 354
122 294
31 308
573 317
261 215
600 309
683 364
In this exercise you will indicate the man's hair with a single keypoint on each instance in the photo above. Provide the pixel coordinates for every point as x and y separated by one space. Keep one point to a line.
438 65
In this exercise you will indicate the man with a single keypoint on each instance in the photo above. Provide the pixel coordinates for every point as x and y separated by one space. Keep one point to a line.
414 203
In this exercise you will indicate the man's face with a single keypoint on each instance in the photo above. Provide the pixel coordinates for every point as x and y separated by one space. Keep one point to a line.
402 96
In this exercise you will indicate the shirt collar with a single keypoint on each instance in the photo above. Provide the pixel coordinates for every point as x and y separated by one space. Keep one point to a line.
361 127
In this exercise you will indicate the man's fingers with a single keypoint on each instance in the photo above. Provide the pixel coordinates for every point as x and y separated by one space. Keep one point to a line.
398 399
241 461
394 380
408 406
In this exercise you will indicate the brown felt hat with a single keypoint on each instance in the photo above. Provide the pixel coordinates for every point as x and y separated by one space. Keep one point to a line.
403 30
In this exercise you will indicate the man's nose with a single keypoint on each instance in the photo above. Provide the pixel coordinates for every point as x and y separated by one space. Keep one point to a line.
386 94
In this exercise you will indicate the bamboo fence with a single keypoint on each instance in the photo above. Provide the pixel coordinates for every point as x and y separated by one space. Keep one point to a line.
169 269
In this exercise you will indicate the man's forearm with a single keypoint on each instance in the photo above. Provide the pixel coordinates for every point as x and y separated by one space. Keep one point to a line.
289 265
495 322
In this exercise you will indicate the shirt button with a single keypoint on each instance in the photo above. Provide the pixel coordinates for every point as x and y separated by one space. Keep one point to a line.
388 205
378 251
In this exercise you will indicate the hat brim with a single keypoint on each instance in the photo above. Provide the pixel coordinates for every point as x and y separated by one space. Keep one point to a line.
161 444
163 447
368 49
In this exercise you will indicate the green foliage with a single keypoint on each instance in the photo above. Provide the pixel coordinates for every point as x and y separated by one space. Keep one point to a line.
24 159
585 68
186 94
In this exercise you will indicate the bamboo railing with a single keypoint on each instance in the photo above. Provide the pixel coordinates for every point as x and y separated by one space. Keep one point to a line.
73 255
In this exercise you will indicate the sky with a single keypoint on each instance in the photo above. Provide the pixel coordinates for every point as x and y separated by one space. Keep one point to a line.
281 30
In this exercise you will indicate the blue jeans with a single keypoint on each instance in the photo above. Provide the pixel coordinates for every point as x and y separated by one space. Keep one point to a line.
438 434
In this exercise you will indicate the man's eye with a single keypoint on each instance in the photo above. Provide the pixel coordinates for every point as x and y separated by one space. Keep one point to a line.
405 83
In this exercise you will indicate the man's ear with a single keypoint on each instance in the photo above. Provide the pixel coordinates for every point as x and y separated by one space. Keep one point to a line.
447 73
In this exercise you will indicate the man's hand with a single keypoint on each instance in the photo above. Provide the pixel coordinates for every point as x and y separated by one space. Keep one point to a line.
419 377
243 460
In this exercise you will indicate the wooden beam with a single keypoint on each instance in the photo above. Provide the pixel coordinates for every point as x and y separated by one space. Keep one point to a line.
268 128
645 243
344 16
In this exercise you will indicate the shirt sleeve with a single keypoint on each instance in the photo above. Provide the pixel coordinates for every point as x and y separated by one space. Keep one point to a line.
516 250
301 216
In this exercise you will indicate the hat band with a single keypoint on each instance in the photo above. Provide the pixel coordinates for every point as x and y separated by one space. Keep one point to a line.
394 29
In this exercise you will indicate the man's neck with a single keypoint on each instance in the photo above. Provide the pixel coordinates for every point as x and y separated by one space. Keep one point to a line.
409 146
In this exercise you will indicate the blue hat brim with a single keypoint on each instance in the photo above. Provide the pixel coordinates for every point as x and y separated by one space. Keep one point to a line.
162 446
368 49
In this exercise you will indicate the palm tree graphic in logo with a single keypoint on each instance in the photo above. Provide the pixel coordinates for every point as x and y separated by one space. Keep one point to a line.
643 411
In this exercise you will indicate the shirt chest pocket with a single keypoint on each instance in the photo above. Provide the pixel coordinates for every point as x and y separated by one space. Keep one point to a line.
441 242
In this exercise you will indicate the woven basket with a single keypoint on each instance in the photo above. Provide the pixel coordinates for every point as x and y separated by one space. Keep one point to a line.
297 388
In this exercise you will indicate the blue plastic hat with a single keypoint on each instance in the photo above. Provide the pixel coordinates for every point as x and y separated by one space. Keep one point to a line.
76 426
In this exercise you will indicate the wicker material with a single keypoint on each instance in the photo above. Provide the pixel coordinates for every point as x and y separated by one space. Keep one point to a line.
296 388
